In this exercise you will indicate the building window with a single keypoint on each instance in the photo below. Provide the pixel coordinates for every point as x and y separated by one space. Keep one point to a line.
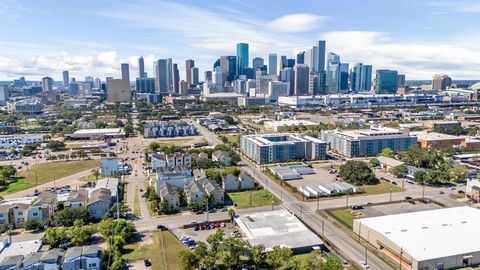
92 265
35 214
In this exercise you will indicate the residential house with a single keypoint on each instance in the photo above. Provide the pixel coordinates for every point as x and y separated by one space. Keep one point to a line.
200 156
11 262
215 193
475 194
178 159
194 192
170 194
86 257
4 214
77 199
47 260
108 183
222 157
110 167
387 163
233 183
99 203
177 176
18 214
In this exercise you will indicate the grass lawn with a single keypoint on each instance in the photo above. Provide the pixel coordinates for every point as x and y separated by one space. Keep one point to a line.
136 204
233 139
383 187
155 252
259 197
344 216
46 172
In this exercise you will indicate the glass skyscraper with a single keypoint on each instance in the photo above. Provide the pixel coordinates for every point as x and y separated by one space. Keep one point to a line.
242 58
386 81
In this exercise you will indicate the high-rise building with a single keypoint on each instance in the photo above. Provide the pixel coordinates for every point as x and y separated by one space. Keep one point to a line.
207 76
97 83
300 58
261 84
118 90
286 75
400 80
308 58
301 80
272 64
333 73
290 62
242 58
282 63
169 74
47 84
161 79
189 64
320 57
125 72
228 65
344 77
66 78
175 79
361 78
386 81
3 94
257 63
441 82
217 78
141 68
145 85
194 78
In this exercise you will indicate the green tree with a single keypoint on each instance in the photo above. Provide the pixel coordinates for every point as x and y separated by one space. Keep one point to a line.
257 255
7 171
80 233
333 262
399 171
231 214
68 216
153 147
358 173
374 162
187 260
163 206
33 224
387 152
56 146
420 175
96 174
231 250
279 257
56 235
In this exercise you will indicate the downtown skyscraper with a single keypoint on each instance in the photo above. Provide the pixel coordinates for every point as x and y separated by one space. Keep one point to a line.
189 64
272 64
125 72
242 58
361 78
141 68
161 77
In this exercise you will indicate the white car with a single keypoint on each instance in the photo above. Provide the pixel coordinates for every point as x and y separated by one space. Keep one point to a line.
363 264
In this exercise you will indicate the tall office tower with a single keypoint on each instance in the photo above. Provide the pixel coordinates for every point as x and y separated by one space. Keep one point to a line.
228 65
401 80
169 74
66 78
320 55
314 83
361 78
194 78
216 64
278 89
301 80
217 78
333 73
282 63
386 81
145 85
344 77
308 58
74 88
322 83
242 58
125 72
161 79
189 64
207 76
3 94
272 64
90 80
175 79
301 57
286 75
441 82
257 63
97 83
47 84
290 62
183 88
141 67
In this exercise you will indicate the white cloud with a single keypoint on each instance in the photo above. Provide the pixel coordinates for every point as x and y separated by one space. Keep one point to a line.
298 22
416 60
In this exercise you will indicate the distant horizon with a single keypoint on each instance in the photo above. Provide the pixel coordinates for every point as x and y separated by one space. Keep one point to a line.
417 38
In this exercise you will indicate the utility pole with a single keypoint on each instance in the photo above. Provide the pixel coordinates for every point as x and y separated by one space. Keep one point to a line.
118 204
390 194
366 257
318 203
346 200
401 255
323 228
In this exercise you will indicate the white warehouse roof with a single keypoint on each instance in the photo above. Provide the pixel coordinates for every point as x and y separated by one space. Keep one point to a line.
432 234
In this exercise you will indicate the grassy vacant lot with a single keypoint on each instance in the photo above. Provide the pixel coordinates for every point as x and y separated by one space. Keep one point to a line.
156 252
259 197
233 139
136 204
344 216
383 187
46 172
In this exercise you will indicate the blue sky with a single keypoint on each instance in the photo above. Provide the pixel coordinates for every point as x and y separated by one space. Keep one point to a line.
92 37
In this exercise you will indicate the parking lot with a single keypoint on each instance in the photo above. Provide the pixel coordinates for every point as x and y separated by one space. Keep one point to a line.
202 235
321 176
396 208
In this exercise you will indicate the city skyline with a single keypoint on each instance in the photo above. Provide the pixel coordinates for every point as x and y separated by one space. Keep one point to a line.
432 38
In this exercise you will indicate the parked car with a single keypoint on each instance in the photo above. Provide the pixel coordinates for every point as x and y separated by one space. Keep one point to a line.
364 264
147 262
161 227
357 207
441 192
408 198
411 201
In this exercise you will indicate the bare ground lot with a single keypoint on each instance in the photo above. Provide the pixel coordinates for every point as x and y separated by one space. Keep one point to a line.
397 208
321 176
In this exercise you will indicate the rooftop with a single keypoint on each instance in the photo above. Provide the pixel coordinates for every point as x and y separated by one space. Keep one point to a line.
287 122
274 228
431 234
98 130
433 136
